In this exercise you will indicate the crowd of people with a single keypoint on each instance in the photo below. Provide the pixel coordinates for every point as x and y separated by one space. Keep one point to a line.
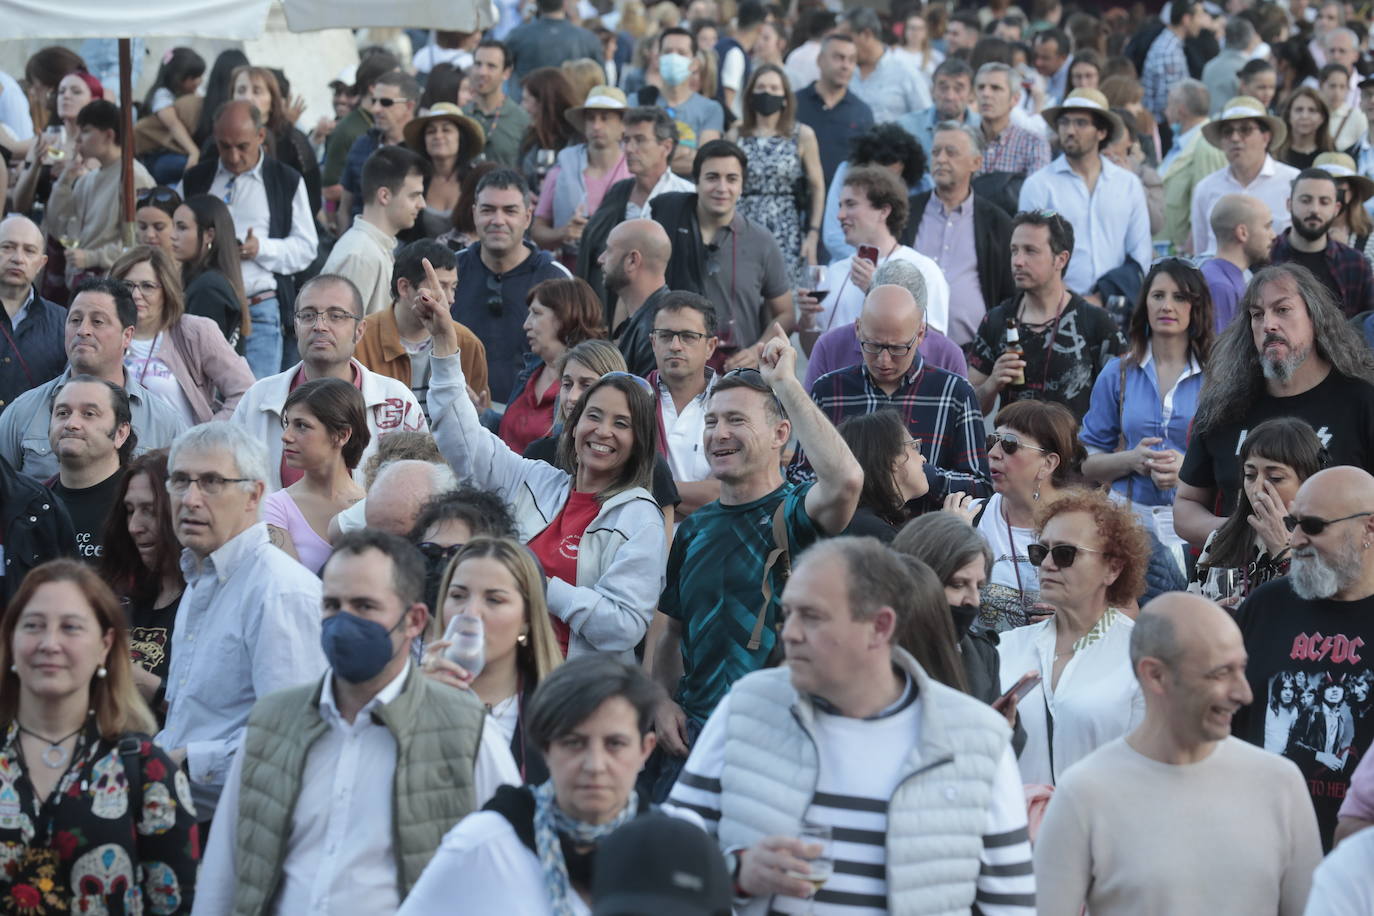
677 459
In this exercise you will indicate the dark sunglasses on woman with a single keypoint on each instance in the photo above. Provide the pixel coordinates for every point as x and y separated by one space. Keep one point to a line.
1063 554
1010 442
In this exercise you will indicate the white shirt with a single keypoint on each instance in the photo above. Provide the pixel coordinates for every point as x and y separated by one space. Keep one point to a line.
1271 185
686 432
1343 885
365 255
248 625
668 181
144 363
1096 700
845 300
247 200
340 858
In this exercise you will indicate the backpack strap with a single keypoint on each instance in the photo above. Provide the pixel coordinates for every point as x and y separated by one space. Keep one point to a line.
778 553
130 757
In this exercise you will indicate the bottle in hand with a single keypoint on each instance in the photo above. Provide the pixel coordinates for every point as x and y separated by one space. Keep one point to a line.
1012 344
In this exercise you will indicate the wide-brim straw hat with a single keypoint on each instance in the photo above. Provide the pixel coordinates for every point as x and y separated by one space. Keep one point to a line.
471 137
601 98
1245 108
1341 166
1094 103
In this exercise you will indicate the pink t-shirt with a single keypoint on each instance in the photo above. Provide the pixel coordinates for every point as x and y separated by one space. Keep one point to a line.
596 188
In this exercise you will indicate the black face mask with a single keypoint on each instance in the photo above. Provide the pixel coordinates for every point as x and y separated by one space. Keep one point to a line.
964 615
766 103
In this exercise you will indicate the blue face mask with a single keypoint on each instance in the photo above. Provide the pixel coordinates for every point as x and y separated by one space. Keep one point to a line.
1177 129
674 68
357 649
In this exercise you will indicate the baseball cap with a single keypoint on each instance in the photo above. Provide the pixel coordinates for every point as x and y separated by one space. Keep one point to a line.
658 865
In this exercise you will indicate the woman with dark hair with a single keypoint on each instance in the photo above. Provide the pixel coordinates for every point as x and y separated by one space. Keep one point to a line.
442 86
883 144
219 88
183 358
98 818
605 591
894 472
450 140
1294 66
929 634
1275 458
1086 70
178 76
203 241
1282 713
532 849
141 562
1136 429
464 231
1033 455
43 73
546 95
562 314
784 184
153 216
1309 128
324 433
285 142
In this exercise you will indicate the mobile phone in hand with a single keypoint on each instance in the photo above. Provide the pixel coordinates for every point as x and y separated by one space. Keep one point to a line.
869 253
1022 687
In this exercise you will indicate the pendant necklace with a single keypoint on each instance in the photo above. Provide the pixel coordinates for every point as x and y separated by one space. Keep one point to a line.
56 756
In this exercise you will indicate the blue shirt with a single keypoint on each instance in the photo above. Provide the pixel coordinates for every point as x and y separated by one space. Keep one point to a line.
892 89
921 124
1110 224
834 127
1226 282
352 178
1143 413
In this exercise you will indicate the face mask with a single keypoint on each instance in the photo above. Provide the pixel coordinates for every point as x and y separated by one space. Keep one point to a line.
674 68
1177 129
766 103
964 615
356 649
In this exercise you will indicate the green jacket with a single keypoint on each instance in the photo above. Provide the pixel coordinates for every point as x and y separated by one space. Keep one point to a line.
437 729
1195 162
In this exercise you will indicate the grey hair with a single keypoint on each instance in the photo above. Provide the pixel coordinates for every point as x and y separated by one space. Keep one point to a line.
996 66
1239 33
906 275
223 436
877 577
863 19
1227 395
1193 96
440 474
1354 39
974 135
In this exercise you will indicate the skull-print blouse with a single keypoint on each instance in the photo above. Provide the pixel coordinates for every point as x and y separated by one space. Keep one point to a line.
84 850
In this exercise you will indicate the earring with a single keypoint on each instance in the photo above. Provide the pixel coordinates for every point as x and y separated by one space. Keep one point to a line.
524 638
101 672
1035 497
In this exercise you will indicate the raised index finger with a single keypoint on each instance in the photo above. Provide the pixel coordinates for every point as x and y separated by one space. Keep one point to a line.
431 277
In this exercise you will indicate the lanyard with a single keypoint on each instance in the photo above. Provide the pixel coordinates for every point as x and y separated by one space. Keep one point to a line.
1015 563
152 352
882 259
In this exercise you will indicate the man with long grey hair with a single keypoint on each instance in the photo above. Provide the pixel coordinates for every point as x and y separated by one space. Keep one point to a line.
1296 356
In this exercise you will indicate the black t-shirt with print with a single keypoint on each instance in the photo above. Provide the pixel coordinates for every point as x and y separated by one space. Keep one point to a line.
89 507
1084 339
150 635
1339 408
1311 671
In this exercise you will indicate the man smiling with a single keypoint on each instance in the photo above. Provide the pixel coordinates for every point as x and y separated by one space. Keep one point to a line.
1246 133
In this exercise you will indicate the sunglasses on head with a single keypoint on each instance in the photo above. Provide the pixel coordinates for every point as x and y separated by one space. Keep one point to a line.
158 197
638 380
1313 526
754 379
1010 443
1063 554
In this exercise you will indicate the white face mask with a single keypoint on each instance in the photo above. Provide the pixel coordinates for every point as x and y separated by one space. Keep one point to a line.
674 68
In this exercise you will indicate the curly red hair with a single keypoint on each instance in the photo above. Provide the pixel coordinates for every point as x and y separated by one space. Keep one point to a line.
1124 541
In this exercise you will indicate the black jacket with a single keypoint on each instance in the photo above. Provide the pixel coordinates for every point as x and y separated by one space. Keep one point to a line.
35 352
610 214
991 244
676 212
36 525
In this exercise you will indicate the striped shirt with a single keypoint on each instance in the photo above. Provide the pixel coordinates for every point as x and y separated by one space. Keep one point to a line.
937 407
861 764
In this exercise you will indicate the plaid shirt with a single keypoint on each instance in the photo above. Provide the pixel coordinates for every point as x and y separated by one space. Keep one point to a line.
938 407
1349 270
1165 67
1016 150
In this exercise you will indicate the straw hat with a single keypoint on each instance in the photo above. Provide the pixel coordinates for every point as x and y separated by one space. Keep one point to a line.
1093 102
472 138
601 98
1245 108
1342 167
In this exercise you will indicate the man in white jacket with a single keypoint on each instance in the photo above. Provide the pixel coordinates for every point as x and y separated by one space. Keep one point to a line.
329 324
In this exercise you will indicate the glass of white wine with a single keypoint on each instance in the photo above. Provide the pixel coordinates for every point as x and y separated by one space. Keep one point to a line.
467 643
70 235
820 868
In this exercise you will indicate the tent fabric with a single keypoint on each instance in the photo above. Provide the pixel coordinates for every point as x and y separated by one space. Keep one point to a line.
67 19
455 15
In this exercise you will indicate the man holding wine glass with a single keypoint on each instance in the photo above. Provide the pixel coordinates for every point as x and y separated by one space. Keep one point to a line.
851 762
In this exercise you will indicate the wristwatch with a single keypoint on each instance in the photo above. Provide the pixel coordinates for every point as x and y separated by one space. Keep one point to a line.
733 860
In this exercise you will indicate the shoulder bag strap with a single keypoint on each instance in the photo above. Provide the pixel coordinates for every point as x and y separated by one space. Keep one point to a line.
130 756
1120 423
779 552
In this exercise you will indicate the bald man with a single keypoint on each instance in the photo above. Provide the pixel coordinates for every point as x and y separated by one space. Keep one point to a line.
939 408
401 490
31 347
1244 230
636 256
1310 637
1179 817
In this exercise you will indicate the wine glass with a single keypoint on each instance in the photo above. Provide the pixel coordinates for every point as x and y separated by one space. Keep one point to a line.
467 643
70 233
1221 583
816 273
822 867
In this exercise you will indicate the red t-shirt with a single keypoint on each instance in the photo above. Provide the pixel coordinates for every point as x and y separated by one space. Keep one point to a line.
290 475
557 545
530 416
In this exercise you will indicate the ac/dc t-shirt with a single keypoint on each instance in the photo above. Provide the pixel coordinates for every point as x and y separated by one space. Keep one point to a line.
1311 670
557 547
1340 409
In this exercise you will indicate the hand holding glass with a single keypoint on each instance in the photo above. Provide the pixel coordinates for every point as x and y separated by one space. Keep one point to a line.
820 868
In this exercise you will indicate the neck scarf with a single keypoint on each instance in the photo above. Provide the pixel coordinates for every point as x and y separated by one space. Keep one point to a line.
549 822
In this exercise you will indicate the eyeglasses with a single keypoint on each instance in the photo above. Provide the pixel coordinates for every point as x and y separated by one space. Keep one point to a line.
666 337
335 317
145 288
1313 526
1063 554
1010 443
496 303
913 444
432 551
873 348
1242 130
642 382
210 484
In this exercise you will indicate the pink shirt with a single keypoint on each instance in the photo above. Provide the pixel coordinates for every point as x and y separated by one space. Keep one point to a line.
596 188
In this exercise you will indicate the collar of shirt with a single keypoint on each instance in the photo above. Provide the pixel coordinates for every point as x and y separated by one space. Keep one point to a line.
23 312
965 206
1267 170
909 379
221 563
1191 369
1061 164
711 378
329 707
386 243
254 172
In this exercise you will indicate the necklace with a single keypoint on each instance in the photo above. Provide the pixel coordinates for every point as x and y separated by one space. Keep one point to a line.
56 756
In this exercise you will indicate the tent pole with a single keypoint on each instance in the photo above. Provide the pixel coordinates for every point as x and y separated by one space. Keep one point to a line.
126 114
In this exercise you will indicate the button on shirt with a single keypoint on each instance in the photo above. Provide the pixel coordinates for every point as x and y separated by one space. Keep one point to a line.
246 196
892 89
1271 185
248 625
1110 223
946 237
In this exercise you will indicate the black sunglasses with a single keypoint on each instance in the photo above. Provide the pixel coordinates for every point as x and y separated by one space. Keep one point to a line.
1010 443
159 197
432 551
754 379
496 303
1313 526
1063 554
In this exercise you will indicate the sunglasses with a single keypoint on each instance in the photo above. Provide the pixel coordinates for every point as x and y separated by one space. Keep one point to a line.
159 197
1063 554
639 380
432 551
1313 526
386 103
1010 443
754 379
496 303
